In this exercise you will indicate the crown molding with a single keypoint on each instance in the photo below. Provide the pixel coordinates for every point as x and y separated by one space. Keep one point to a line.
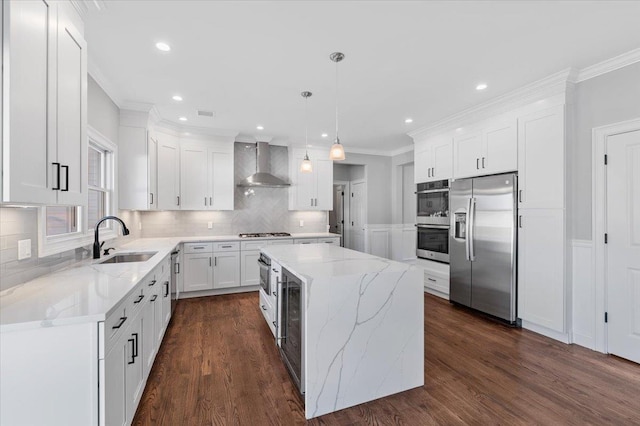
402 150
179 130
103 82
611 64
540 89
81 7
137 106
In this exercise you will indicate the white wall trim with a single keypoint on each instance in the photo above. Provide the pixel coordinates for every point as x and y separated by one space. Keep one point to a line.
95 73
608 65
552 334
599 224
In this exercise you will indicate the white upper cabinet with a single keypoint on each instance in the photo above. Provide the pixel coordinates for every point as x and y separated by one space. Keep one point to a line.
193 177
221 179
168 172
489 148
541 159
137 167
434 161
44 88
206 176
310 191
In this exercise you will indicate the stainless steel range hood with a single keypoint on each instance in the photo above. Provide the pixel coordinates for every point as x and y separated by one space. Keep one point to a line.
262 177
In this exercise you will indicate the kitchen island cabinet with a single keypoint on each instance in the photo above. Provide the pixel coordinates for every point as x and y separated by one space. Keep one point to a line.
353 322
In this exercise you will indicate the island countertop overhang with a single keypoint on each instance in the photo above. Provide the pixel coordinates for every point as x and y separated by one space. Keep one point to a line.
315 261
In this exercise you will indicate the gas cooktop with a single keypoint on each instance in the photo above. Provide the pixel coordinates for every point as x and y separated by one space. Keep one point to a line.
265 234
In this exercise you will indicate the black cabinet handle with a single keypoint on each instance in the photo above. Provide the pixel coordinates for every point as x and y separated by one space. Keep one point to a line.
135 336
155 296
57 188
431 279
139 299
151 198
66 173
177 267
178 197
166 288
118 325
152 283
264 308
483 162
133 348
477 164
520 221
274 323
226 246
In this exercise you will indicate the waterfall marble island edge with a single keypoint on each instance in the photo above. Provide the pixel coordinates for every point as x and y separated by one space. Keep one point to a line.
362 325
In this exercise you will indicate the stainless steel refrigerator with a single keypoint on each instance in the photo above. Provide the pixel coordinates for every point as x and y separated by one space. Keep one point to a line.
482 244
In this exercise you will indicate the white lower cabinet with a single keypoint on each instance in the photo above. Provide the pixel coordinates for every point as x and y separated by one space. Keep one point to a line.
209 266
112 384
541 273
226 267
305 241
198 272
250 272
149 334
134 370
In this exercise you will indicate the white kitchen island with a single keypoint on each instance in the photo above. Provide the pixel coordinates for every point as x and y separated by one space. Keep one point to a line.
361 322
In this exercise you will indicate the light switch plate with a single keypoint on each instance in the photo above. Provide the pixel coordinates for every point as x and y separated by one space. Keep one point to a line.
24 249
301 223
139 225
210 225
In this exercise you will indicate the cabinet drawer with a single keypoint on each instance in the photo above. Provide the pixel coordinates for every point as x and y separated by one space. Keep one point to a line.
334 241
281 242
115 323
198 248
267 311
305 241
436 282
253 245
228 246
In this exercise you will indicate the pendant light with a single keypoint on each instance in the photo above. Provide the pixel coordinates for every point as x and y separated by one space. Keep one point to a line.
305 166
337 150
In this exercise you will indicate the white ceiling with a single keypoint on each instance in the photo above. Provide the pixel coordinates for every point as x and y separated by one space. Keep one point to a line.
249 61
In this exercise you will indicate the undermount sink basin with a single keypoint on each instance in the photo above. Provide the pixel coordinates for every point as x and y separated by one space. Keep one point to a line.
130 257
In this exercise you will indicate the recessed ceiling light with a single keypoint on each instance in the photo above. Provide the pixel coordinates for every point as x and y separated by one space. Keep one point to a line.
324 135
481 86
182 118
163 46
408 120
260 127
177 98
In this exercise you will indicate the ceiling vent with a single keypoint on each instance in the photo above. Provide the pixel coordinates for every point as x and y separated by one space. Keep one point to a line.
203 113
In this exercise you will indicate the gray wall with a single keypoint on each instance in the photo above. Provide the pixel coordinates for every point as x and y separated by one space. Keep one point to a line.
606 99
341 172
401 187
378 177
102 114
17 223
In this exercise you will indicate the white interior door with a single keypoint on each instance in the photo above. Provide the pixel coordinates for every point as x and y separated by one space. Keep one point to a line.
623 247
357 211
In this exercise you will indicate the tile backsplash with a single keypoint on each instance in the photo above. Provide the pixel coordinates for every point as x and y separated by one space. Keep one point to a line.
18 223
264 211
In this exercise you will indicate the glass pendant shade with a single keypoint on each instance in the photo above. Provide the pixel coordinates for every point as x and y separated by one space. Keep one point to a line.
337 151
306 166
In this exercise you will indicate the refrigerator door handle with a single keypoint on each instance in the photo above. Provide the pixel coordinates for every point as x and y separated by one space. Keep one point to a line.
467 231
471 234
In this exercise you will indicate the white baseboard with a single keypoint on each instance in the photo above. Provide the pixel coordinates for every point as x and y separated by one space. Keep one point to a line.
218 292
562 337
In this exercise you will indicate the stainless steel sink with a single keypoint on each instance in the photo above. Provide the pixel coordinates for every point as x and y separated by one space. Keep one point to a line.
130 257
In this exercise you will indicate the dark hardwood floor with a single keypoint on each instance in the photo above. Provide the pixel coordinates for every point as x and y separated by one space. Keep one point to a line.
218 365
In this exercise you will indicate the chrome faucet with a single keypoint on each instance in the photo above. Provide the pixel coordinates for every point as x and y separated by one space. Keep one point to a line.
96 242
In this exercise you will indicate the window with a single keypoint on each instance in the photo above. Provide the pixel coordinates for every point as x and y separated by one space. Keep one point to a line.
67 227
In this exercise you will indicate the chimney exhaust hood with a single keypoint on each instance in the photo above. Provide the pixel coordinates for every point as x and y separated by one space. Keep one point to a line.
262 177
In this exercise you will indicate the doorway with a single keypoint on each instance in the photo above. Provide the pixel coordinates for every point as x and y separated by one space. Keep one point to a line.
349 203
617 219
340 211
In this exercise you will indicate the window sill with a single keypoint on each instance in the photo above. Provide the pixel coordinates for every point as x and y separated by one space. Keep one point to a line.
56 245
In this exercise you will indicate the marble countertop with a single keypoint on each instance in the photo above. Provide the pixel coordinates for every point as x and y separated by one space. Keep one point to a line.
88 291
311 261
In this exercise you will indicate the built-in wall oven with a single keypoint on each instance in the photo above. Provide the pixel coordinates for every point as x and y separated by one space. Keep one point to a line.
432 220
